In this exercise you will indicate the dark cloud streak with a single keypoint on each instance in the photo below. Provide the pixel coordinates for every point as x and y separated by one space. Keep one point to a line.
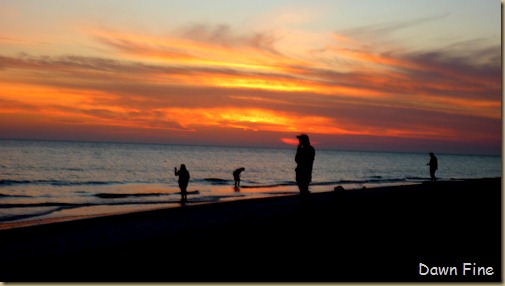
383 29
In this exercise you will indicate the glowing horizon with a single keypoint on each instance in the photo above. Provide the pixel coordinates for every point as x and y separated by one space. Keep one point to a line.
205 79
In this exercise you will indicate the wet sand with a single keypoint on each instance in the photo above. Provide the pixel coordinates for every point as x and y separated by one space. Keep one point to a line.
371 235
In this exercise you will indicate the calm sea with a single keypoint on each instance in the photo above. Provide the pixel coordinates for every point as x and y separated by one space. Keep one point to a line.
42 180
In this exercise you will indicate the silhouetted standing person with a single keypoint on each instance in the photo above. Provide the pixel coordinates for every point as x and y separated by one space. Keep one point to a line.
433 166
183 174
236 176
304 158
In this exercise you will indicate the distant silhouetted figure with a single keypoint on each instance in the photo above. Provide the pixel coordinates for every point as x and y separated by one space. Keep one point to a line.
433 166
236 176
183 174
304 158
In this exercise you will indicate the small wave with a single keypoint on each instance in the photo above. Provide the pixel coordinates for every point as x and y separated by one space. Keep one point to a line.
367 181
258 186
56 207
31 205
75 169
268 186
13 182
117 196
15 217
89 183
375 180
376 177
55 183
415 178
210 199
78 205
217 181
13 196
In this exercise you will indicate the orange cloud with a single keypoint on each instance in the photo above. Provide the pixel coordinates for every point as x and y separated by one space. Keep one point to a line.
217 78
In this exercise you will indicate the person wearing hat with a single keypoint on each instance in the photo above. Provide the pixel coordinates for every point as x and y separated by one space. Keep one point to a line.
304 159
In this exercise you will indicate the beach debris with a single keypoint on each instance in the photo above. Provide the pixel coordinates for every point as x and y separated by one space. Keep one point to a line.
338 189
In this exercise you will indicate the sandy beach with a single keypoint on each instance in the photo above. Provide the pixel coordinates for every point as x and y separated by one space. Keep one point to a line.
370 235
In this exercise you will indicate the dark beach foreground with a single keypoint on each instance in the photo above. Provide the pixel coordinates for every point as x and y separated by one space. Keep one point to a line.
370 235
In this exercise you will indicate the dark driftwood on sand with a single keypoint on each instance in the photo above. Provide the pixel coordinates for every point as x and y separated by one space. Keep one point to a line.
370 235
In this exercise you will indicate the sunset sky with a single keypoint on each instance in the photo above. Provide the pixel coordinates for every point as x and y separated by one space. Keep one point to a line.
404 75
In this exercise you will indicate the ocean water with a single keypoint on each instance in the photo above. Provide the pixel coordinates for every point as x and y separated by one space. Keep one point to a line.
44 180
